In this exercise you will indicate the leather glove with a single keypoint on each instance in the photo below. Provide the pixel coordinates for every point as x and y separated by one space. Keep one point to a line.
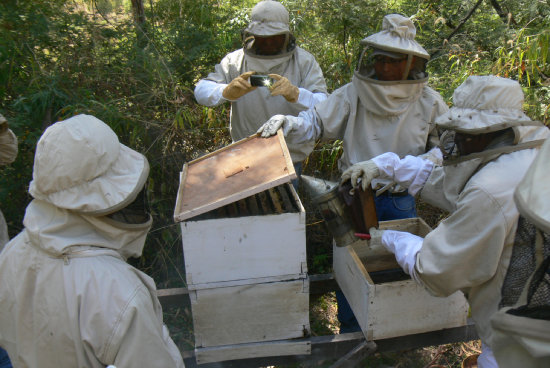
271 126
284 88
365 170
238 87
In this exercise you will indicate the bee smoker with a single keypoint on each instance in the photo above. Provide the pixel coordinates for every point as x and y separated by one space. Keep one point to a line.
325 196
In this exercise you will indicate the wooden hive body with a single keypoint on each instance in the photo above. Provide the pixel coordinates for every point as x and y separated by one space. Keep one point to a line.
245 252
386 302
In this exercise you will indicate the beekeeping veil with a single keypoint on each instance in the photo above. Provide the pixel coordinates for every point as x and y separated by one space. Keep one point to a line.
482 104
385 97
268 18
395 38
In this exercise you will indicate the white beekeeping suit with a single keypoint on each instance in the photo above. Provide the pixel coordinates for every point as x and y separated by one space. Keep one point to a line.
374 116
470 250
377 112
8 153
68 298
522 328
300 71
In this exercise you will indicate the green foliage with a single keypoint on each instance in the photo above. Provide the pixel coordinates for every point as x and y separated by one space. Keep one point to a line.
59 58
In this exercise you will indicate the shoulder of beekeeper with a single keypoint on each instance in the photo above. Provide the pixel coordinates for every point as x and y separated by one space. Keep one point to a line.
8 143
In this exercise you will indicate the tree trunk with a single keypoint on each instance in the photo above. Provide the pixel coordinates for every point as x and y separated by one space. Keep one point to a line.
139 19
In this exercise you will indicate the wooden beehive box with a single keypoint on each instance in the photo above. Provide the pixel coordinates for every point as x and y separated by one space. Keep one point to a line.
243 235
387 302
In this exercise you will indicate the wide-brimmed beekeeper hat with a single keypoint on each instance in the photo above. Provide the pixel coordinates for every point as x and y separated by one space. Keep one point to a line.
484 104
268 18
397 35
81 166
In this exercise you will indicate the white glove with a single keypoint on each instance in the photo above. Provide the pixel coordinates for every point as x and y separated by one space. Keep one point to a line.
410 172
365 170
404 245
375 237
271 126
434 155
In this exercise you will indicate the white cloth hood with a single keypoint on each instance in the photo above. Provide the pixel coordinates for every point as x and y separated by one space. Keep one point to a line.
268 18
397 35
80 165
533 192
484 104
60 232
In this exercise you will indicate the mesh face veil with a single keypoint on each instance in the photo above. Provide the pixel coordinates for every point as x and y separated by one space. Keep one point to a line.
413 69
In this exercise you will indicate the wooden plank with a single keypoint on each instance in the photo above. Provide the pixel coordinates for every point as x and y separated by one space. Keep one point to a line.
265 203
250 313
252 206
237 171
276 200
179 197
285 198
355 283
251 248
286 153
404 307
318 285
252 350
332 347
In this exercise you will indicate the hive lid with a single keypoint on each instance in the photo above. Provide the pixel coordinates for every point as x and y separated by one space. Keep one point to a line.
237 171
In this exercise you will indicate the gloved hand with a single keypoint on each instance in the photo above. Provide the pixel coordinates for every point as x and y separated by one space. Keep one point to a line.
366 170
434 155
404 245
238 87
375 237
284 88
271 126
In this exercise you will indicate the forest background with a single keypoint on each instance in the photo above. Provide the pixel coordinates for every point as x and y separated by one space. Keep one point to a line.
134 64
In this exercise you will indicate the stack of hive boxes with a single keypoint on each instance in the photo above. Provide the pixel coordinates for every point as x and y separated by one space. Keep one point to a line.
243 234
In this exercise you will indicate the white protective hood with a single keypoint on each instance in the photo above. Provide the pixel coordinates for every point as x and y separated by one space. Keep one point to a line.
8 145
80 165
532 195
397 35
484 104
268 18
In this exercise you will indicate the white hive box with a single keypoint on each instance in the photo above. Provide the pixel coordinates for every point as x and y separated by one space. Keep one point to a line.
385 301
243 235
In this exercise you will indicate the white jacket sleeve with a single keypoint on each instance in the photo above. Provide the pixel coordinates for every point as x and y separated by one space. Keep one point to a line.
8 147
209 93
309 99
140 339
410 172
303 128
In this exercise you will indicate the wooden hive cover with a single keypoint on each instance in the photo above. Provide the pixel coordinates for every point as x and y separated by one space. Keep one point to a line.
237 171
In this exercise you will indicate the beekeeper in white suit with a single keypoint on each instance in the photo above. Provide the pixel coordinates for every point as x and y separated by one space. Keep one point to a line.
67 296
268 48
522 325
8 153
388 106
470 250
